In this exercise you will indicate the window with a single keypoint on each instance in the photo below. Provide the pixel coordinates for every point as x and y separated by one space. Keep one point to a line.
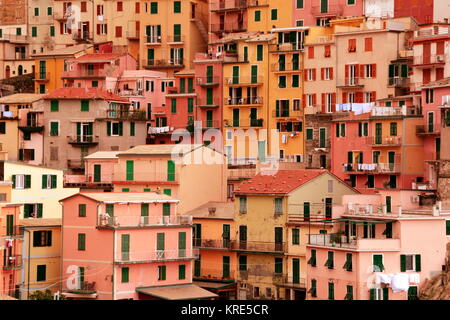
32 210
132 129
393 127
296 105
282 82
377 263
81 241
349 295
119 6
310 74
83 6
173 105
54 128
259 52
295 236
351 2
114 128
330 290
34 31
351 45
274 14
447 227
49 11
41 272
36 12
330 261
327 51
312 259
182 272
299 4
310 52
21 181
177 7
327 73
242 263
348 262
278 205
2 127
278 265
49 181
125 274
42 238
367 44
153 7
429 95
161 273
82 210
340 130
368 71
309 134
118 31
313 289
299 23
257 15
330 186
295 81
242 204
410 262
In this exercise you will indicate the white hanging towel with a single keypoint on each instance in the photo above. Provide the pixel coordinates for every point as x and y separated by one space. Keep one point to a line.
414 278
400 282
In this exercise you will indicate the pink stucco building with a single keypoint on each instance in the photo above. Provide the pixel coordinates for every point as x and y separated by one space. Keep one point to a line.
373 252
146 248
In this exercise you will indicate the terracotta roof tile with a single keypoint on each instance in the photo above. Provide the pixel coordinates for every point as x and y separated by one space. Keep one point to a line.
83 93
99 57
283 182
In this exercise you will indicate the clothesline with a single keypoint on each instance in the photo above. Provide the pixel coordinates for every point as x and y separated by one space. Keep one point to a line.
357 108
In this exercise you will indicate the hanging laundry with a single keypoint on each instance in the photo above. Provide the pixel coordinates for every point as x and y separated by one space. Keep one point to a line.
414 278
400 282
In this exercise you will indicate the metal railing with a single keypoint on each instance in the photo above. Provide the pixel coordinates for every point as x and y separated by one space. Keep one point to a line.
282 279
15 231
378 111
245 80
152 39
15 38
257 246
130 92
427 129
332 240
287 46
213 124
9 114
83 139
82 35
204 102
149 176
85 73
157 255
387 141
212 80
317 215
216 274
228 27
398 82
126 114
329 10
228 5
241 173
372 167
12 262
143 221
85 287
162 63
282 113
349 82
244 122
287 66
178 38
242 100
212 243
429 59
42 76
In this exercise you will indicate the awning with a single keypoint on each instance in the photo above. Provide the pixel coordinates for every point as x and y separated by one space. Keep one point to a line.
80 295
177 292
214 285
290 29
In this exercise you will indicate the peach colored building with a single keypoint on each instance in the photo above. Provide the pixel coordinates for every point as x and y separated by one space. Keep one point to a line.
213 234
11 238
373 252
175 170
146 250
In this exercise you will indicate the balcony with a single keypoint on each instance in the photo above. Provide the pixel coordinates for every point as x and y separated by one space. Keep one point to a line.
257 246
335 240
285 67
61 16
133 34
244 81
152 40
386 141
243 101
281 113
286 47
83 140
241 173
244 123
84 288
208 103
347 83
212 244
84 73
13 38
75 164
14 232
148 177
31 126
317 216
329 11
130 93
155 256
210 124
9 115
82 36
208 81
372 168
433 31
176 39
134 115
227 27
228 5
42 76
285 281
425 61
424 130
143 222
399 82
12 262
215 274
379 111
78 180
163 63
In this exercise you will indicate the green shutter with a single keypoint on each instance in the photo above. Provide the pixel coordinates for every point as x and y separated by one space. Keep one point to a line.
144 209
125 274
160 241
108 128
167 192
36 12
110 209
36 238
125 246
52 31
418 263
163 272
54 129
190 105
84 105
54 106
166 209
132 129
120 128
243 263
177 7
312 259
44 181
54 181
274 14
41 272
130 170
27 181
372 294
257 15
306 211
259 52
331 291
154 7
385 293
279 265
182 244
81 241
170 170
34 31
182 272
82 210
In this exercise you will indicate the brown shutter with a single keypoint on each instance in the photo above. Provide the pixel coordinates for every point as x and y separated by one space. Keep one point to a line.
344 97
322 70
333 102
331 73
374 70
374 96
314 74
323 102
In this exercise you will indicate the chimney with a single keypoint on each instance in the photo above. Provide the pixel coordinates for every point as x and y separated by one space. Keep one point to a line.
212 211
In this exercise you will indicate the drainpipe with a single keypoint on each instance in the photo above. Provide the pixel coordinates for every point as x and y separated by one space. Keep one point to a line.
28 262
113 266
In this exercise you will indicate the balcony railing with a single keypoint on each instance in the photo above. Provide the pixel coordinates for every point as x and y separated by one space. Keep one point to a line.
280 67
176 38
283 113
258 246
241 173
430 59
433 31
15 231
212 243
216 274
372 168
156 256
386 141
152 39
288 46
82 36
43 76
126 115
349 82
317 215
379 111
133 34
232 101
289 281
142 221
427 129
244 123
15 38
12 262
96 73
149 176
85 139
228 27
228 5
211 124
202 102
84 287
353 242
5 115
398 82
335 10
130 93
162 63
208 81
244 80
